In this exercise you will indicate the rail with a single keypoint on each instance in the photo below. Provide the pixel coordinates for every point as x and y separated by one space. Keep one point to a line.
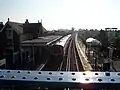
40 68
72 61
69 56
76 59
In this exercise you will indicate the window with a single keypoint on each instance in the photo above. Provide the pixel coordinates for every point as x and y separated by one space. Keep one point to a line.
9 33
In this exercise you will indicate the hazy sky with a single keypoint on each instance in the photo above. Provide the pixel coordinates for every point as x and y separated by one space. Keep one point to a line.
63 13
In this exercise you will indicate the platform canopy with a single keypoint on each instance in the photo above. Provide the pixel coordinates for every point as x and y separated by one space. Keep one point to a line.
93 42
41 41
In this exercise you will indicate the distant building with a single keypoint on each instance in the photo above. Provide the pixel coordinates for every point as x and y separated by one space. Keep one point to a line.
15 34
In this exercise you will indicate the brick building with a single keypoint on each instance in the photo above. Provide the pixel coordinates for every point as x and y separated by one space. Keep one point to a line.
15 34
3 44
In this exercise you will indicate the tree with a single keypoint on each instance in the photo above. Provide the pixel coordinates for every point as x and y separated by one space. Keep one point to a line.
117 40
103 38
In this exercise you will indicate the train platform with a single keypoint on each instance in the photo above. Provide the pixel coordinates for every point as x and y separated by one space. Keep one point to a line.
41 41
84 59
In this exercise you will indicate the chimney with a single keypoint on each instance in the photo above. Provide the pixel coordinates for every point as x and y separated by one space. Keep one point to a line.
26 22
41 20
38 21
1 25
8 19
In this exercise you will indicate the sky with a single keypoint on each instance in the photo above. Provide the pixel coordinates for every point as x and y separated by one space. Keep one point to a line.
58 14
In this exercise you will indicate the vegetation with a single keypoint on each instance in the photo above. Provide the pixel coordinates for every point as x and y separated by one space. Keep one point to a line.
108 38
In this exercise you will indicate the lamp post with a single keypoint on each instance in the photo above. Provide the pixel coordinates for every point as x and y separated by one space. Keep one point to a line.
111 48
108 61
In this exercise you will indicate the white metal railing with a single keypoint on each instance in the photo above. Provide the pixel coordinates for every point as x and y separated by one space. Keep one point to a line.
87 80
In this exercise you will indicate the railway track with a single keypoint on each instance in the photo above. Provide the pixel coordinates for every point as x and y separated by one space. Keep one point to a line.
74 62
64 61
55 60
68 57
71 60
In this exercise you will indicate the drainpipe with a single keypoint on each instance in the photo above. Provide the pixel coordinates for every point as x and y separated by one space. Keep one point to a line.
33 54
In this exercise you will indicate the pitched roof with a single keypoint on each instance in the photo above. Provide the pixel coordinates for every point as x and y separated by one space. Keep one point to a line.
41 40
44 30
35 25
18 27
